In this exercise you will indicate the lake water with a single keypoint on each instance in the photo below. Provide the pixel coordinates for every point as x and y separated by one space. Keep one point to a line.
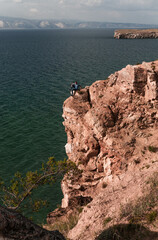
36 70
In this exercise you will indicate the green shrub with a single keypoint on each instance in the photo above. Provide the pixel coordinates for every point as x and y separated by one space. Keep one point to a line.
65 226
106 221
152 149
151 217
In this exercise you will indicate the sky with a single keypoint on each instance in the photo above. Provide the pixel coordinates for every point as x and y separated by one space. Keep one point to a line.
125 11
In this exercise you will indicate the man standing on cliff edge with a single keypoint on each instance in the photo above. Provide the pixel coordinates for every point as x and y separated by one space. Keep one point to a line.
74 88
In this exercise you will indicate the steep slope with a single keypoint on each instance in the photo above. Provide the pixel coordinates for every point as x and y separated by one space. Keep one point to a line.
112 136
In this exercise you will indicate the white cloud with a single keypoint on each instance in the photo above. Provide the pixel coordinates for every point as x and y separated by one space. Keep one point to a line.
17 1
74 3
1 24
132 5
88 10
33 10
61 2
91 3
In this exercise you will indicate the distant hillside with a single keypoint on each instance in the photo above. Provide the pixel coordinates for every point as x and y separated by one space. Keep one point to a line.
19 23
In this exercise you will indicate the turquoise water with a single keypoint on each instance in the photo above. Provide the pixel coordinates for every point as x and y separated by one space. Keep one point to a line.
36 70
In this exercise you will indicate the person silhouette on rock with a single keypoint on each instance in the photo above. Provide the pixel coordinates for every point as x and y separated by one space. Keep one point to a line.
74 87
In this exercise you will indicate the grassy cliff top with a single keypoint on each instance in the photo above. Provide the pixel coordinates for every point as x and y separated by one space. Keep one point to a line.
137 30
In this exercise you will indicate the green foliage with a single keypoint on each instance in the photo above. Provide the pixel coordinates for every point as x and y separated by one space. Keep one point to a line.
151 217
38 204
80 209
20 188
152 149
64 226
106 221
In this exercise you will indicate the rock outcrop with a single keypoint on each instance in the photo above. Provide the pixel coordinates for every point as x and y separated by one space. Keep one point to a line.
112 129
136 33
15 226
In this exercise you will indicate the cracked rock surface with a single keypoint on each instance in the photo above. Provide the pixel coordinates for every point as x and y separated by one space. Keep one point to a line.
110 126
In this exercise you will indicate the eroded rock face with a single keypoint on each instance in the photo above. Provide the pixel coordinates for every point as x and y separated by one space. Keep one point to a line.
103 122
109 127
136 33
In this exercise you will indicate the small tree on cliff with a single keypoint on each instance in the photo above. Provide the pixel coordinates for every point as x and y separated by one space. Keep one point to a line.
14 195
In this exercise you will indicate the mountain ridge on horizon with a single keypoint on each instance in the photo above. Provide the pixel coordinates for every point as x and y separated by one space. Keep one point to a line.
23 23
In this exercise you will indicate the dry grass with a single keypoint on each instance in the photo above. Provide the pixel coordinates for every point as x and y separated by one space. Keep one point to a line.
127 232
136 30
145 209
139 214
65 226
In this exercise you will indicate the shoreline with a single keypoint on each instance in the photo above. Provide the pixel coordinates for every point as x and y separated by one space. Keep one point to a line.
136 33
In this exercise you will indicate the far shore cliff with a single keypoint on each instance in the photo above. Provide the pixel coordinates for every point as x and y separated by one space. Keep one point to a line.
112 136
136 33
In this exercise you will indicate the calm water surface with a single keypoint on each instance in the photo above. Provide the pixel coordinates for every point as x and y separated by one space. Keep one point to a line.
36 70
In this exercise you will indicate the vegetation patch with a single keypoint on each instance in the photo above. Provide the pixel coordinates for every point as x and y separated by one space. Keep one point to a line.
65 226
152 149
18 193
127 232
144 210
151 217
106 221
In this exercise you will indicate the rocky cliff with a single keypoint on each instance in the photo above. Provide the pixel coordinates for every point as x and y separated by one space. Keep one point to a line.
15 226
136 33
112 136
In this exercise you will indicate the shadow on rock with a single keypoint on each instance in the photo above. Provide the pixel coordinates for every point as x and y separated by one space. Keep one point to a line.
127 232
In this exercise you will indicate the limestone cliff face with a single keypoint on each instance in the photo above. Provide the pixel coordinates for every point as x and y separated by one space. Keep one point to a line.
110 126
136 33
105 122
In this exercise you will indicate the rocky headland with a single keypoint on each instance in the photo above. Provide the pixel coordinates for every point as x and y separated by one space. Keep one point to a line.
136 33
112 136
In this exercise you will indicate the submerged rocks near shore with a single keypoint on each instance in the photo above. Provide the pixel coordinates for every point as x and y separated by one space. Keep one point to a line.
136 33
112 136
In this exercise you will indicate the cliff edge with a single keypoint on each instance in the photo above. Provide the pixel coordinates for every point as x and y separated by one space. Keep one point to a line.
136 33
112 136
